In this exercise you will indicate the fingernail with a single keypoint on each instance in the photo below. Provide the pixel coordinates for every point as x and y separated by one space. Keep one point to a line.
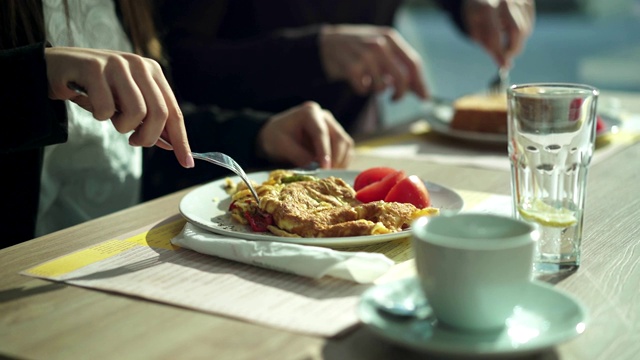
190 162
326 162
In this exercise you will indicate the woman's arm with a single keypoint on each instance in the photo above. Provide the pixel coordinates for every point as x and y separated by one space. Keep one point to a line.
30 119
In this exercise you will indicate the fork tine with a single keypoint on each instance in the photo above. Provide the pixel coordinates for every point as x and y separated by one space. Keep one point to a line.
503 73
500 82
220 159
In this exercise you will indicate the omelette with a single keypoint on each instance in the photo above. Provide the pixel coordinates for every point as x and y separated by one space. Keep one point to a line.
293 205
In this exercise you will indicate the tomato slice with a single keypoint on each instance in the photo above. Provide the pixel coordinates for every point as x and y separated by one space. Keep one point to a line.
370 176
259 221
379 189
410 190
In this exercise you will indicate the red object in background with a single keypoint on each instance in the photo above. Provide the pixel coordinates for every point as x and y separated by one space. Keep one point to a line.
370 176
574 109
600 125
410 190
378 190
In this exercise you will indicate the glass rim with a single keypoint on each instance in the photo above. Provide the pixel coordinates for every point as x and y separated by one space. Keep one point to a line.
515 88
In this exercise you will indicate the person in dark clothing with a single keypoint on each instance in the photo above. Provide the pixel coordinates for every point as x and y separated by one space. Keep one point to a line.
269 55
44 116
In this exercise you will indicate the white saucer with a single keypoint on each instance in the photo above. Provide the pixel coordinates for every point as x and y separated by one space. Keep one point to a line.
547 317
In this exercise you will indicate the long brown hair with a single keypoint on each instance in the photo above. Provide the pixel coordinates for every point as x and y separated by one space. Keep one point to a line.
22 23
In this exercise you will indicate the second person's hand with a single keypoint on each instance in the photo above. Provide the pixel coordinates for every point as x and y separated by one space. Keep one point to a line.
304 134
501 27
371 59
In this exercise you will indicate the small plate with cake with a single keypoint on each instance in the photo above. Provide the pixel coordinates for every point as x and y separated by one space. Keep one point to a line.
483 118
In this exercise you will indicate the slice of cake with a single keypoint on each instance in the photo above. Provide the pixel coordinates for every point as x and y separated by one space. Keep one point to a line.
480 113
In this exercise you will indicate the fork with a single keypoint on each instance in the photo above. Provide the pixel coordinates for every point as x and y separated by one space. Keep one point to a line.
225 161
216 158
499 84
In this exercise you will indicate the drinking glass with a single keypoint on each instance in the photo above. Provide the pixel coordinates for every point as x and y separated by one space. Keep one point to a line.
552 129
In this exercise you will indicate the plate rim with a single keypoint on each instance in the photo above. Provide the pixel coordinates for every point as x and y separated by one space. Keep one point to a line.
335 242
365 305
443 127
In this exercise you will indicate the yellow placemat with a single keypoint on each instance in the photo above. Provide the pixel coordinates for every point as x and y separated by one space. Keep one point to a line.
160 235
145 264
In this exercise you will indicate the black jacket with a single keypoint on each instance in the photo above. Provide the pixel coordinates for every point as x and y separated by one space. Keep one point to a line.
30 121
265 54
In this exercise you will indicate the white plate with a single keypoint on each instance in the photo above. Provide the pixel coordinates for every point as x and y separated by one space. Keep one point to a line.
439 118
207 207
440 112
546 318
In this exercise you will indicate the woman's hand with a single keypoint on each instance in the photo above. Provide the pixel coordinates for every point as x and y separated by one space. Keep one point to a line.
501 27
304 134
371 58
129 89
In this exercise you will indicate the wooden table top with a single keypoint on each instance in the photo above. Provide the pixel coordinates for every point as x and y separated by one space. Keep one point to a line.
42 319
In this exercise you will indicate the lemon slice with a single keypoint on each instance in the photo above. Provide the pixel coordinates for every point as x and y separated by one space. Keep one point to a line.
547 215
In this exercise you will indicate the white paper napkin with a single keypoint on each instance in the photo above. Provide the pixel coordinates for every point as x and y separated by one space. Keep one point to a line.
310 261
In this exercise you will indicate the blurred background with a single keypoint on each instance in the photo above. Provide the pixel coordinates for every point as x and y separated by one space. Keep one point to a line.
596 42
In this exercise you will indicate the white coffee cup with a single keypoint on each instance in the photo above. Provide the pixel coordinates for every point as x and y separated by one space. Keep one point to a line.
473 268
